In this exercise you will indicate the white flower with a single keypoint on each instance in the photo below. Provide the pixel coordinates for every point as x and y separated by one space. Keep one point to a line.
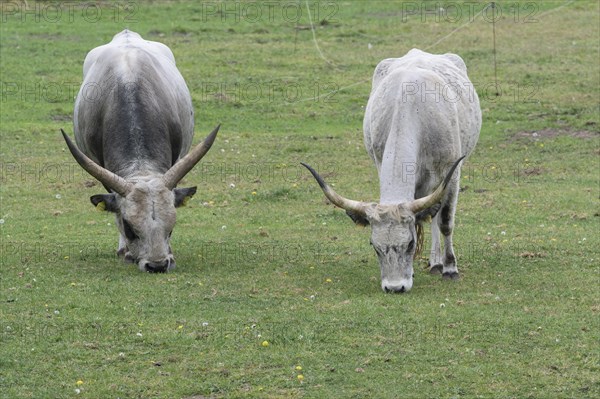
57 196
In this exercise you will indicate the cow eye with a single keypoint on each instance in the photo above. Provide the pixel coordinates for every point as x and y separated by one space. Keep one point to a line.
411 245
129 233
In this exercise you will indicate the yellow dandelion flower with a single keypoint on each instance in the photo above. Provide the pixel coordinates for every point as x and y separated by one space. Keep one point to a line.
265 343
328 280
79 382
300 377
299 368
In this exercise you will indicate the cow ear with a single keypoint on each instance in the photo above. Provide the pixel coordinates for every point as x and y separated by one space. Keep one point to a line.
427 214
183 195
104 202
358 219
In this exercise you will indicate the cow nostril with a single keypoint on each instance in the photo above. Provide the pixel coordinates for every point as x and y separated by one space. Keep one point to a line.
156 268
396 289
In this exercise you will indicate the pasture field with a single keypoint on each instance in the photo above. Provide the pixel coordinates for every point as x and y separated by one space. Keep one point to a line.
277 294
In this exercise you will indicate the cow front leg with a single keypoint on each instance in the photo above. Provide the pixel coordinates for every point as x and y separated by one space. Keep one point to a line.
435 256
446 225
123 251
450 270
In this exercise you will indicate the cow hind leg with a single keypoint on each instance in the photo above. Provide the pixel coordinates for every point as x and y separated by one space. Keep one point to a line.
435 256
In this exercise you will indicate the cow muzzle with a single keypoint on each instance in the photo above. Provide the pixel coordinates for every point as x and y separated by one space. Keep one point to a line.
402 285
157 267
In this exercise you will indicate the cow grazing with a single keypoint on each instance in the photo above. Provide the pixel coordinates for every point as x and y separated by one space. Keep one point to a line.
422 119
134 123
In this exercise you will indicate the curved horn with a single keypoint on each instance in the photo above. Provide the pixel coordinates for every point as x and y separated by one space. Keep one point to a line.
357 207
185 164
105 176
435 197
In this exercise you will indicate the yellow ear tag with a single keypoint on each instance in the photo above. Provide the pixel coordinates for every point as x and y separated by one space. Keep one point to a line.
101 206
185 201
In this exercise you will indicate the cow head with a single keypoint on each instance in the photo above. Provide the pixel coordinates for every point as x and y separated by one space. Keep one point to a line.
144 206
393 229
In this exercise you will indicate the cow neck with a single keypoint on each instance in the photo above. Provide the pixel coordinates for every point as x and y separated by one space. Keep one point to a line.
397 173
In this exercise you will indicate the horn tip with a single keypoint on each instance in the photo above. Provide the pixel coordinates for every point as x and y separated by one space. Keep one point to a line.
451 172
318 178
211 137
69 142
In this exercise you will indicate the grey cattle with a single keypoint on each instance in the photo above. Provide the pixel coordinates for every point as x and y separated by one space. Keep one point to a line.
422 119
134 123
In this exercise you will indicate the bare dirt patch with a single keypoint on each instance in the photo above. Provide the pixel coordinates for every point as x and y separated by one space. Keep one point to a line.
534 171
61 117
549 133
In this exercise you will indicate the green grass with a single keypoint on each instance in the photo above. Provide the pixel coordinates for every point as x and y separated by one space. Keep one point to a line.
268 259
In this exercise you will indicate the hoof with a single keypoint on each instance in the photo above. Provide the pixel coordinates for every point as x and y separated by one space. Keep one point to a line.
451 276
436 269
